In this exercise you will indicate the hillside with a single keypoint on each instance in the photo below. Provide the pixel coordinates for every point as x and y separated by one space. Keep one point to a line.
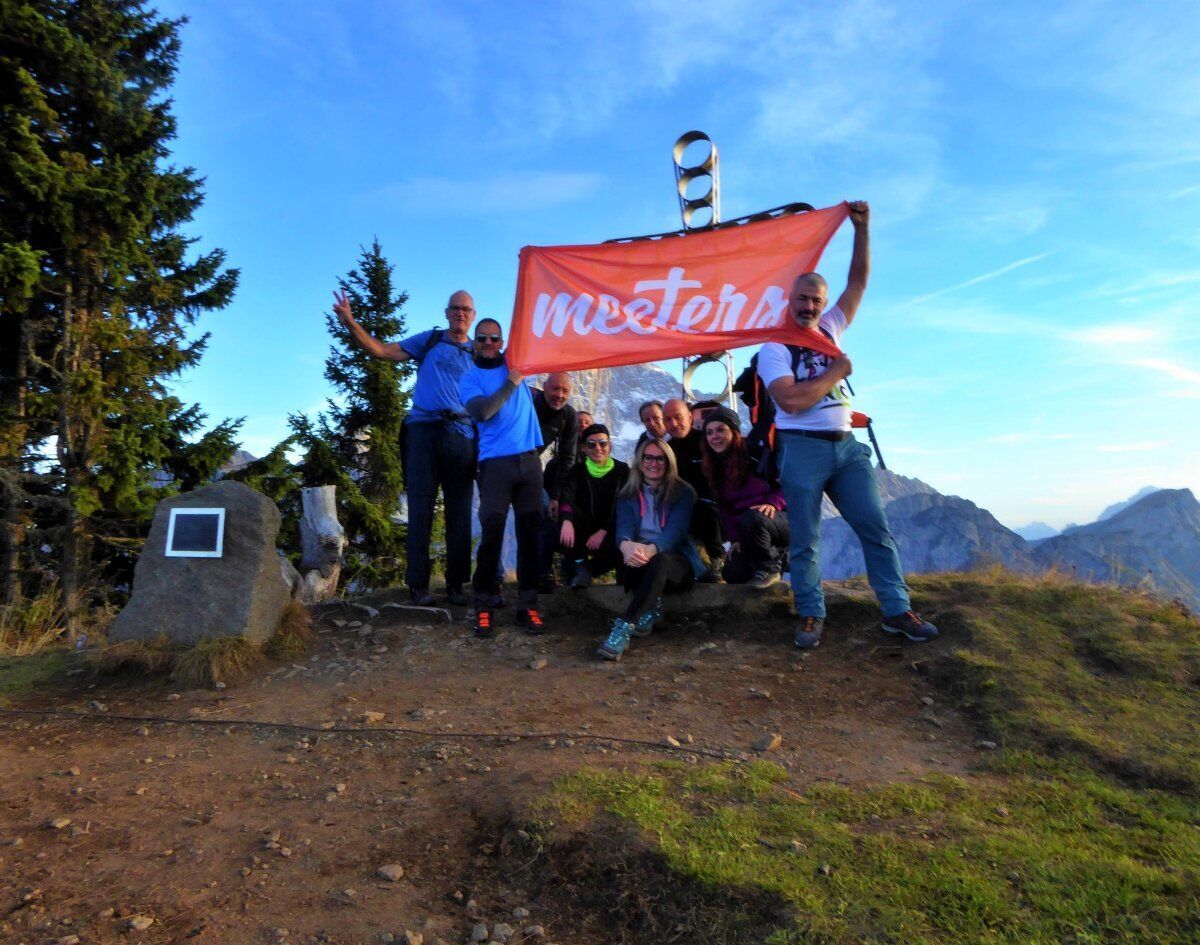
1032 777
1155 542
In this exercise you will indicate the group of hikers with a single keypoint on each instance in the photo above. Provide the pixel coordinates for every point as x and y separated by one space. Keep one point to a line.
690 487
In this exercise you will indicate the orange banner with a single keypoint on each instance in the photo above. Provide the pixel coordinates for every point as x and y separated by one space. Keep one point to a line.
582 307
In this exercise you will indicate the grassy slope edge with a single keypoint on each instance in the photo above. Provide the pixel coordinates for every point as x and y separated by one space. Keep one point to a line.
1084 828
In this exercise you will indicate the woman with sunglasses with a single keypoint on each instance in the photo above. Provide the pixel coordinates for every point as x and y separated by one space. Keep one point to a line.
589 508
751 507
653 513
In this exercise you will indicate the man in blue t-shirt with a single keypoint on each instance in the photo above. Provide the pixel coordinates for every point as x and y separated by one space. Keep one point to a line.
439 441
510 474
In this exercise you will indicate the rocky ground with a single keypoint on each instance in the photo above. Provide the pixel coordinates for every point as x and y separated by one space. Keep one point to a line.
374 808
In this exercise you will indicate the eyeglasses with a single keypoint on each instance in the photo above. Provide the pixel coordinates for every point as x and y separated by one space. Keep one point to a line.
459 308
651 460
492 338
597 444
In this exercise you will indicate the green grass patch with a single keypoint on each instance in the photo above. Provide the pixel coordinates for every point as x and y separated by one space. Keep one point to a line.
1109 676
1084 828
38 672
1037 853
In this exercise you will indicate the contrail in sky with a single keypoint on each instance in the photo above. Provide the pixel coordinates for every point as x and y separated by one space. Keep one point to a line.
984 278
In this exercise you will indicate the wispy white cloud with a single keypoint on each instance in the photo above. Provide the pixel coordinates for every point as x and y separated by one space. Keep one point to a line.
1171 368
1142 447
1028 436
501 194
975 280
1184 192
1118 335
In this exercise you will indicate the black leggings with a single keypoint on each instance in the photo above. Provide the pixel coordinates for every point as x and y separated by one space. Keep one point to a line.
666 571
762 542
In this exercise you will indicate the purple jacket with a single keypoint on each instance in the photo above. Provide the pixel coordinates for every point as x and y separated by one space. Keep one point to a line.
734 501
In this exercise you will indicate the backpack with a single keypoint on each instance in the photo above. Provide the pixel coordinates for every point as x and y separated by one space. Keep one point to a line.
434 337
760 440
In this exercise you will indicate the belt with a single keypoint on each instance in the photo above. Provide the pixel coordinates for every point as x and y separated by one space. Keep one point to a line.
834 436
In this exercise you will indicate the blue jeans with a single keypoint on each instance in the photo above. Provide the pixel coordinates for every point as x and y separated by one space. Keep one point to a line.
436 454
842 470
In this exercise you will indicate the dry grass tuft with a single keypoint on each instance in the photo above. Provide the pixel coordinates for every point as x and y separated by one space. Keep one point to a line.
293 635
215 660
152 657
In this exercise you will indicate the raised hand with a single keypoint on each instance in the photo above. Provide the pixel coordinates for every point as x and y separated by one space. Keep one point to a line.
341 308
860 212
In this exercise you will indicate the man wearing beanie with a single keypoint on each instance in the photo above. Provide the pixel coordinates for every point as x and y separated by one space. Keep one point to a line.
818 455
589 508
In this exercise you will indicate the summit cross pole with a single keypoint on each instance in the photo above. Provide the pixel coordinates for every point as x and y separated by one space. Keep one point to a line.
690 204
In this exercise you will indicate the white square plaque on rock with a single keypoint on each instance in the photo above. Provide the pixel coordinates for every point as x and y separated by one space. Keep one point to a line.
195 533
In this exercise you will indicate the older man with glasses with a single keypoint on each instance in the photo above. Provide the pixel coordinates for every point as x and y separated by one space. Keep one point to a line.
588 510
437 443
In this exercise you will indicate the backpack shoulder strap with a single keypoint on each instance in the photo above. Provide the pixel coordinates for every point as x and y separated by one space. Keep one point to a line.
435 337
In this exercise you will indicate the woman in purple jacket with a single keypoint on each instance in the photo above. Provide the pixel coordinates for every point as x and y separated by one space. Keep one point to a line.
751 508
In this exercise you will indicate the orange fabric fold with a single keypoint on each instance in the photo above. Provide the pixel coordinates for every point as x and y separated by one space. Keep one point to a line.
605 305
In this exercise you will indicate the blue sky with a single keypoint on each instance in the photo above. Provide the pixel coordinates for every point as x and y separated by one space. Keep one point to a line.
1030 339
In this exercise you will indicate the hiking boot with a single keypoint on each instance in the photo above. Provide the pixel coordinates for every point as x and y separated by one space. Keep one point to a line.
483 624
547 584
420 596
765 577
808 633
614 647
713 574
911 625
532 621
582 578
645 623
455 595
497 600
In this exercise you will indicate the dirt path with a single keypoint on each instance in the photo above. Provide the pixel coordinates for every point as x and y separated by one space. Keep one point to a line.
251 834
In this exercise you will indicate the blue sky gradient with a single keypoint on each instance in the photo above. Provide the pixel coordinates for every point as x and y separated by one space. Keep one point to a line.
1029 339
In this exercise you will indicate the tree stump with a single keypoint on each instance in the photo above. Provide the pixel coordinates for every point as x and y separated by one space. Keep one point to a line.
322 541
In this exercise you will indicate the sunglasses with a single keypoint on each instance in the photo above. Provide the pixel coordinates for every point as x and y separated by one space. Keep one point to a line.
654 460
596 444
491 338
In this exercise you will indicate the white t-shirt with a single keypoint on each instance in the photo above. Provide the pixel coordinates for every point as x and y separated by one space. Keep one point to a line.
832 412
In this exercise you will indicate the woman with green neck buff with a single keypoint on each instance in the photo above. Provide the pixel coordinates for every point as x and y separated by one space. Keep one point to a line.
589 506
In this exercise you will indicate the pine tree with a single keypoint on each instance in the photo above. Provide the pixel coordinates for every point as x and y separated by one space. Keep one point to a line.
109 286
355 443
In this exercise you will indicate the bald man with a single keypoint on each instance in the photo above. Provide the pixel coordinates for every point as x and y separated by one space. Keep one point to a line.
438 441
560 429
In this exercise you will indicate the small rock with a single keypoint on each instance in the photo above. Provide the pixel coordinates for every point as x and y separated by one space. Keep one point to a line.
985 745
413 938
502 932
540 663
798 847
480 932
770 742
174 697
760 693
370 717
68 940
927 700
97 706
674 742
340 788
520 913
59 823
392 872
106 913
139 923
930 719
535 931
825 869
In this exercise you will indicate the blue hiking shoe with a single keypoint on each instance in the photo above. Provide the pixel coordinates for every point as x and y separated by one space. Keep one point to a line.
911 625
808 633
645 623
617 643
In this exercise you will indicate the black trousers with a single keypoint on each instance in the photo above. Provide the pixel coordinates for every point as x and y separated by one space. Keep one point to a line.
667 571
706 528
762 542
437 455
506 481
